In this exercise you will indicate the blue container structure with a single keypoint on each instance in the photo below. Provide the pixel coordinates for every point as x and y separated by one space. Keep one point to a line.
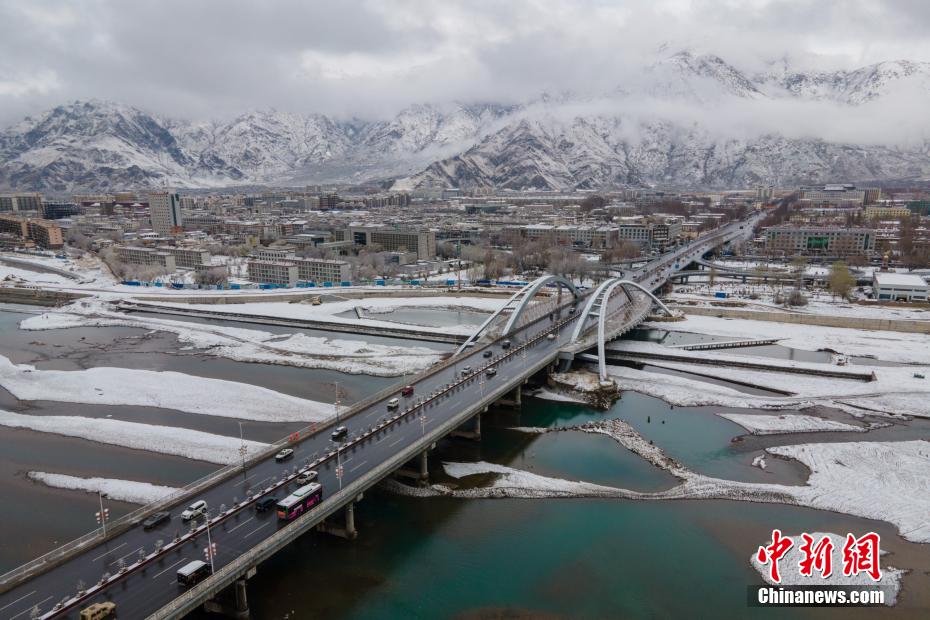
720 295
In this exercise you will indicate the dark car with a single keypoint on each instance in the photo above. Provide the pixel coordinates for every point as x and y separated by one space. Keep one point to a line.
155 519
407 391
339 433
488 353
265 503
505 344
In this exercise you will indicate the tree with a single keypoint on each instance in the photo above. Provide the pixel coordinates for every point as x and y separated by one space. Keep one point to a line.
798 267
841 280
594 201
215 275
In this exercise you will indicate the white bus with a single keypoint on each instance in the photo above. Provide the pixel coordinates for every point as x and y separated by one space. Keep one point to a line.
299 501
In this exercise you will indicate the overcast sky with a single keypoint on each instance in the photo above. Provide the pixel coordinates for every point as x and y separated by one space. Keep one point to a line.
216 58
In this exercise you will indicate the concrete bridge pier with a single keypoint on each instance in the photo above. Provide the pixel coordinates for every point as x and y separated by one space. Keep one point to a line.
348 531
233 602
513 399
470 429
417 469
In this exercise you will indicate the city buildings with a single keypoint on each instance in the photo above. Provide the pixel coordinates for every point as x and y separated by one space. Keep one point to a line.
839 195
188 257
280 273
134 255
819 241
323 270
21 202
43 233
165 212
423 242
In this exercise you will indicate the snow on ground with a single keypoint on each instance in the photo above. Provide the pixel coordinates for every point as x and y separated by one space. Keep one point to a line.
130 491
788 423
517 479
877 480
167 390
328 312
16 275
184 442
251 345
890 346
547 394
894 391
790 570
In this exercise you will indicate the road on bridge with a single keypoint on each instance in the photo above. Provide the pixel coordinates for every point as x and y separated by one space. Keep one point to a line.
375 435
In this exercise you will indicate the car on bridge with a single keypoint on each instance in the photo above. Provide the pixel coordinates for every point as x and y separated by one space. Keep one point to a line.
490 372
394 403
265 503
339 433
284 454
407 391
488 353
466 371
155 520
305 477
99 611
197 509
505 344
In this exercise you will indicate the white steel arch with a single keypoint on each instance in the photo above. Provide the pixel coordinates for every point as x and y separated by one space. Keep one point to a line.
522 299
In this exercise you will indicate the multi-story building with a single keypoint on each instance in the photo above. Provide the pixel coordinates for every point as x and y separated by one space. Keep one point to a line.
639 233
165 212
817 241
594 237
56 209
899 286
839 194
666 232
274 254
423 242
889 211
188 258
323 270
281 273
21 202
146 256
42 232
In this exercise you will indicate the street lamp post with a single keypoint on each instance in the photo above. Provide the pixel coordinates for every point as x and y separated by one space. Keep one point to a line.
242 448
210 550
103 515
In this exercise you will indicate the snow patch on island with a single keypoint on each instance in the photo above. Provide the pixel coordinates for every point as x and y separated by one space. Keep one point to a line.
163 389
184 442
131 491
788 423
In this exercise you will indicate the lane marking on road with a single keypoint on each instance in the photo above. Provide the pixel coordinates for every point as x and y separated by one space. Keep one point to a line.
108 552
125 556
18 600
240 525
357 466
256 529
30 609
394 443
160 573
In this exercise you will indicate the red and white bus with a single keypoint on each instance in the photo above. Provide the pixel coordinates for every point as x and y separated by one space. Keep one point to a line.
301 500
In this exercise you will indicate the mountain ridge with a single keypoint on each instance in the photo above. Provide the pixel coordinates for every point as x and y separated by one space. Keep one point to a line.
552 142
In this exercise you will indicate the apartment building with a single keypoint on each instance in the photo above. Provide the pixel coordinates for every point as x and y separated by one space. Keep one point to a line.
820 241
323 270
423 242
281 273
43 233
165 212
21 202
839 194
146 256
639 233
594 237
188 258
886 211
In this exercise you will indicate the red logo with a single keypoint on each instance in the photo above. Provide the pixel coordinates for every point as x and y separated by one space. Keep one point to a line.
860 555
819 556
773 553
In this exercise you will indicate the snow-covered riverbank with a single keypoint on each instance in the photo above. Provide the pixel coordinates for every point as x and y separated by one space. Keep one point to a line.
250 345
164 389
131 491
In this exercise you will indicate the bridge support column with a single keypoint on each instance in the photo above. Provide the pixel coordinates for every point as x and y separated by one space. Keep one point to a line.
242 600
513 400
464 432
416 469
348 532
424 469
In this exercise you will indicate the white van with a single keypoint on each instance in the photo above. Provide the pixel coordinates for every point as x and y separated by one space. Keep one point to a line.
195 510
394 403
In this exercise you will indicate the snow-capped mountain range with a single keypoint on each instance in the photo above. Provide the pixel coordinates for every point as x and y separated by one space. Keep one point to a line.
633 135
